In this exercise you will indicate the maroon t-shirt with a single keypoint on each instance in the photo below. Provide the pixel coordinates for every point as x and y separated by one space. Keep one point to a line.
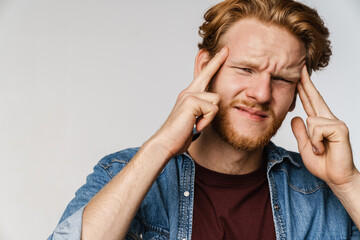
232 206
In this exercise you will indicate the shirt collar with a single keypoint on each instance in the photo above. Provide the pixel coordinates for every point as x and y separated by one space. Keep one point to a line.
274 155
277 155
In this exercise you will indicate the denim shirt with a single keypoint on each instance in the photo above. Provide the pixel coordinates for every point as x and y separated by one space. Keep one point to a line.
303 206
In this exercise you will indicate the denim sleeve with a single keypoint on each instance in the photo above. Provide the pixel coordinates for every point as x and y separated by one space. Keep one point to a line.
355 234
69 226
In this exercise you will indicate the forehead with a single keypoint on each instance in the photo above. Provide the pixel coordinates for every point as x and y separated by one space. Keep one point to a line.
266 45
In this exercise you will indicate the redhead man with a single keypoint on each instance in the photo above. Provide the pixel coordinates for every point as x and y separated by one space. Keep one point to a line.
223 178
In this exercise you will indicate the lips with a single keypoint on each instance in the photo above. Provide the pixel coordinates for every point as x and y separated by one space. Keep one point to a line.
252 113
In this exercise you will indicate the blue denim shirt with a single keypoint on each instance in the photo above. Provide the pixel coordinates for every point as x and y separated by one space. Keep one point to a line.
303 206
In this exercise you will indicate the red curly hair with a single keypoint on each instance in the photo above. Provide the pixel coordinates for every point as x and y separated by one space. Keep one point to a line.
301 20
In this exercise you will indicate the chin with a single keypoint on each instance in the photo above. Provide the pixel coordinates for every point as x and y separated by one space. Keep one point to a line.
245 135
247 142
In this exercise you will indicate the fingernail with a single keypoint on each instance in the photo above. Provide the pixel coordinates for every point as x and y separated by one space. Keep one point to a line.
315 150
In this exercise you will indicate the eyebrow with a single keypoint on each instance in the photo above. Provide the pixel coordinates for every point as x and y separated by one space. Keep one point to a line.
246 63
289 76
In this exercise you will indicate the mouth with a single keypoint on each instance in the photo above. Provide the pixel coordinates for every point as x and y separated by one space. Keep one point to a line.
252 113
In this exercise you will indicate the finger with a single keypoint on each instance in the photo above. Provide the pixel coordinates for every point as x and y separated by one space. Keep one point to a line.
213 98
305 101
202 81
299 130
334 132
316 100
194 105
320 136
312 122
208 112
203 112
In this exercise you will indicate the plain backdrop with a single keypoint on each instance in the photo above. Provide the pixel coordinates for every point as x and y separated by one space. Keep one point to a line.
82 79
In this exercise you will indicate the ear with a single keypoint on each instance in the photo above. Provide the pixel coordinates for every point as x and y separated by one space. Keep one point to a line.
201 59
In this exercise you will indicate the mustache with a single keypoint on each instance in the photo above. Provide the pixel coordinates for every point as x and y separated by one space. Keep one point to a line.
253 105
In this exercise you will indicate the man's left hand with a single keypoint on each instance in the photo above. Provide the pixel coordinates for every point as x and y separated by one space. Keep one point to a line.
324 145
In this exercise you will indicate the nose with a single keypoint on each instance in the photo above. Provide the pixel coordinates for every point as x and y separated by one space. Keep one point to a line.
260 89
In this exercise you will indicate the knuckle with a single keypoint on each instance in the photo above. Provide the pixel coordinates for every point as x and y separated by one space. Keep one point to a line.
309 120
344 127
316 130
188 98
213 97
217 97
182 93
341 123
215 108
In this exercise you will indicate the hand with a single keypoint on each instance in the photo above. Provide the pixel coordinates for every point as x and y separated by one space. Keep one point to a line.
193 106
325 146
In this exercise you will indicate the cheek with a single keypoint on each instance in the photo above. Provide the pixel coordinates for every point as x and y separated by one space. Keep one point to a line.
292 94
285 100
217 80
227 83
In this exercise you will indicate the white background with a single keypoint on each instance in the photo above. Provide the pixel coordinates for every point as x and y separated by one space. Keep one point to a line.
82 79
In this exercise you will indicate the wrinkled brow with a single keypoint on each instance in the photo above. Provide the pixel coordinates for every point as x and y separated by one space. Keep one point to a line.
290 73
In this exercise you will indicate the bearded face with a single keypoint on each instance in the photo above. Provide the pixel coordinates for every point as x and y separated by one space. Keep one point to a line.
257 83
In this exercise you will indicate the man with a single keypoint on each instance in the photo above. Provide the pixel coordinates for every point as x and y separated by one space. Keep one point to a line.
230 182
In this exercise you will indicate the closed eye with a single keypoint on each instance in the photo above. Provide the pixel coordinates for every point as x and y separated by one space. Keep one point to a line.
279 78
243 70
246 70
282 79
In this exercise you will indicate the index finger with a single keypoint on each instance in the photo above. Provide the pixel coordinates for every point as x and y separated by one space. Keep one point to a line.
317 102
201 82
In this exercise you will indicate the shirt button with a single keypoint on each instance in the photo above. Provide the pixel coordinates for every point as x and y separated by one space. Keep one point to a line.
276 207
186 194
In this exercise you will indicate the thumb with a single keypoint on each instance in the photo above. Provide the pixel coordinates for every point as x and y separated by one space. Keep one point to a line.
299 130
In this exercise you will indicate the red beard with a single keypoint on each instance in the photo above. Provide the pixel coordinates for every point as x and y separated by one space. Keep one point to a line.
225 128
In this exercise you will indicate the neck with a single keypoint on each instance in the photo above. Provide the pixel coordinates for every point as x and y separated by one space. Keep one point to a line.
211 152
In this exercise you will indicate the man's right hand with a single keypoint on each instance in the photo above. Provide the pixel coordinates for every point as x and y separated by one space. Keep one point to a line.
109 213
193 106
